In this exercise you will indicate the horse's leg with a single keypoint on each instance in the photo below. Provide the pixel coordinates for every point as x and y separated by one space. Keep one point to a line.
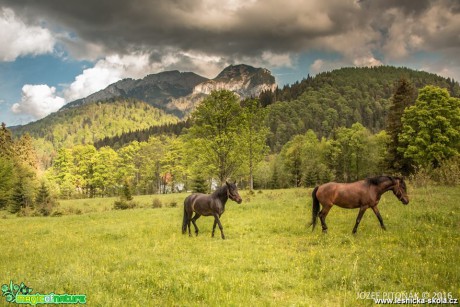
197 216
377 213
189 219
322 216
214 227
216 219
360 216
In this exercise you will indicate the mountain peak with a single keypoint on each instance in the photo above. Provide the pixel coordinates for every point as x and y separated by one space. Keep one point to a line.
235 71
178 92
244 80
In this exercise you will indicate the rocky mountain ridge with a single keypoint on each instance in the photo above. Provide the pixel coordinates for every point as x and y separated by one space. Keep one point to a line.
178 92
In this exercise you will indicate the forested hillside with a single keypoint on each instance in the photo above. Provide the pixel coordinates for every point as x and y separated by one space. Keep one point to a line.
322 103
94 121
143 135
339 99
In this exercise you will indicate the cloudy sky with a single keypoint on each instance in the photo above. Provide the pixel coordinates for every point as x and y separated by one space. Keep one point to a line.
53 51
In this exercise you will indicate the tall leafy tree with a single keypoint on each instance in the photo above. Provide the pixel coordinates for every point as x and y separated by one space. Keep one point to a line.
354 154
292 155
84 157
25 152
105 171
217 122
128 167
63 173
431 128
403 97
7 166
254 134
150 155
6 142
7 180
172 162
314 167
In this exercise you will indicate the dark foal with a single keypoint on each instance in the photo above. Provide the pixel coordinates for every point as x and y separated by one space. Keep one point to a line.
209 205
361 194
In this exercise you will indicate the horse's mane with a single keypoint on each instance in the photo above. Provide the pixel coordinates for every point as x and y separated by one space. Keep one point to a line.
378 180
220 190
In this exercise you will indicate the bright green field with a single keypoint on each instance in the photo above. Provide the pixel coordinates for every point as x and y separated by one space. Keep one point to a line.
139 257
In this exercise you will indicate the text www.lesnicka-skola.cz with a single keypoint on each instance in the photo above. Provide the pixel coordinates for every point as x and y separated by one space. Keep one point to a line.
408 297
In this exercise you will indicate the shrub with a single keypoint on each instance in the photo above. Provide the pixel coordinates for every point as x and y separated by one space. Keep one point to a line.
126 193
448 173
124 204
421 178
199 184
44 201
156 203
173 204
57 213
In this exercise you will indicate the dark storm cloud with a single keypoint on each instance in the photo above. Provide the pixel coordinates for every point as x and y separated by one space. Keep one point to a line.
238 29
208 26
408 7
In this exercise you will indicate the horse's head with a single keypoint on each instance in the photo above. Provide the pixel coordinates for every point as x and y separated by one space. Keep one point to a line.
400 190
233 192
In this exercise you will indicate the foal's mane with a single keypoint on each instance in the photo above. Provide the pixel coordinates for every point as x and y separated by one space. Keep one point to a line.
378 180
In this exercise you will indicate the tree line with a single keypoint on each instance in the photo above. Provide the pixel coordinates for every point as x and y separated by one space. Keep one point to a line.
229 138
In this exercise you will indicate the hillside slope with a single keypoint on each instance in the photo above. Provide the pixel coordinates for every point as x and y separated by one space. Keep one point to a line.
94 121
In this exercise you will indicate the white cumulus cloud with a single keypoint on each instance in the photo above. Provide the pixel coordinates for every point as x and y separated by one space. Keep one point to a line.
107 71
18 39
38 101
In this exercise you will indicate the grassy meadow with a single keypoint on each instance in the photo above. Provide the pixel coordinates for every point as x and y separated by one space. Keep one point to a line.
139 257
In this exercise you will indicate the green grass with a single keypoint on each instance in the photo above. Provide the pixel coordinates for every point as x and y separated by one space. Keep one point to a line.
139 257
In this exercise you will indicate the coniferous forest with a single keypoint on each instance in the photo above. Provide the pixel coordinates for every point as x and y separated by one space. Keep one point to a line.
342 125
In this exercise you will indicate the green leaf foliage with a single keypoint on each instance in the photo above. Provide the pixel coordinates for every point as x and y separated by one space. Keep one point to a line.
431 128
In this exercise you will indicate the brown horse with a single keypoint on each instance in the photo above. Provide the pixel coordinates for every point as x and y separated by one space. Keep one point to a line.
360 194
204 204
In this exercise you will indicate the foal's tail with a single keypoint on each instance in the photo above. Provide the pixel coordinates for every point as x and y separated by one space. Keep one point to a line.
315 208
185 220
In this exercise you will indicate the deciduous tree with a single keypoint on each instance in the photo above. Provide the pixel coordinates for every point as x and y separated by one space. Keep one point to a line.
217 123
431 128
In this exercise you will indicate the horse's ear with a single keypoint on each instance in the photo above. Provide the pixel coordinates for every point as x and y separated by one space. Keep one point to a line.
226 182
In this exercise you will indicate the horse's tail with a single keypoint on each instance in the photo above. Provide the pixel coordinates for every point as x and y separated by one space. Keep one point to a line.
185 220
315 208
